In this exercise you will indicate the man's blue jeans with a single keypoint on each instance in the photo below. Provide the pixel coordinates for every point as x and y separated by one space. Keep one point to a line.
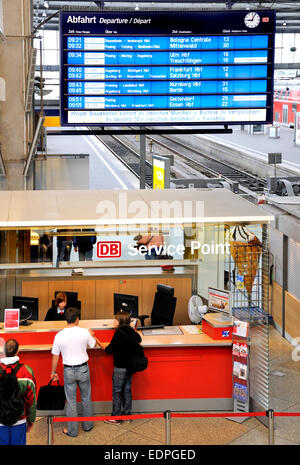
87 255
122 398
73 377
64 252
151 254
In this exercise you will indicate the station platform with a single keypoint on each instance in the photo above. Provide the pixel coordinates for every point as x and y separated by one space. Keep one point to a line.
105 170
259 145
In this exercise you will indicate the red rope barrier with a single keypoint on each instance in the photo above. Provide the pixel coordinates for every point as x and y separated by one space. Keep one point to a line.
175 415
230 414
123 417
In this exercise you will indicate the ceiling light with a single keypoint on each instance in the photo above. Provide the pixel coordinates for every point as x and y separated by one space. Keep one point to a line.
137 7
46 5
44 14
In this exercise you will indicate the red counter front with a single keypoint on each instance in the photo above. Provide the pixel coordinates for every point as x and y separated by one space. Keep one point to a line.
187 371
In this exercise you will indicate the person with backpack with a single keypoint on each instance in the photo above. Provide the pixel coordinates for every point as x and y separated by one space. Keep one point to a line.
125 345
17 397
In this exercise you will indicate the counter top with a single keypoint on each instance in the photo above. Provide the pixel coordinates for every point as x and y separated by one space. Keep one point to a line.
106 272
185 339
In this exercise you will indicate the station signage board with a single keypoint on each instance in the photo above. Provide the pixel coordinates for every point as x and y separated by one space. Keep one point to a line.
160 172
166 68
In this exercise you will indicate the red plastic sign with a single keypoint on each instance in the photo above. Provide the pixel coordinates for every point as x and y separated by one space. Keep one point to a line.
109 249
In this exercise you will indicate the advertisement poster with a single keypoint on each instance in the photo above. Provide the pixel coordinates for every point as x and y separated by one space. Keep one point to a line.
218 299
240 392
243 350
240 370
236 349
240 328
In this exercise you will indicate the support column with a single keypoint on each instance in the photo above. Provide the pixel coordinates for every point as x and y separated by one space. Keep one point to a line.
15 124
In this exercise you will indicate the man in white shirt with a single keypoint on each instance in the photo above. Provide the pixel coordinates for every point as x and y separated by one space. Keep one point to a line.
72 343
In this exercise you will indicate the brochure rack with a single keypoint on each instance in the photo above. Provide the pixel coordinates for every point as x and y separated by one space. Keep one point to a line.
241 366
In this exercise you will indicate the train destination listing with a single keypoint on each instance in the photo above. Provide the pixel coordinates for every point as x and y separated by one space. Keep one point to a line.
200 77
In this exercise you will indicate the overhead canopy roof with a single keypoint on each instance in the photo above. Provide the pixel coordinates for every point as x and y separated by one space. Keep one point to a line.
25 209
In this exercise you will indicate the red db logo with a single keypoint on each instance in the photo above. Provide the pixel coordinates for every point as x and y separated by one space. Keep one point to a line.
108 249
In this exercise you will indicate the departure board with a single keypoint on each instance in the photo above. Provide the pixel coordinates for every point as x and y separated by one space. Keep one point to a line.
166 68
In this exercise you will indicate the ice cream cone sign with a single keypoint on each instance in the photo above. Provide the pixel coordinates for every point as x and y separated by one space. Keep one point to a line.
246 256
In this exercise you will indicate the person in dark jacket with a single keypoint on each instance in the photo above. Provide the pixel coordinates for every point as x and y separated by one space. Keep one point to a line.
84 245
45 248
120 346
57 312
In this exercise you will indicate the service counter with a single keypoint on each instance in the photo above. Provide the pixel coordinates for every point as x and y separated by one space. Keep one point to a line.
187 370
97 285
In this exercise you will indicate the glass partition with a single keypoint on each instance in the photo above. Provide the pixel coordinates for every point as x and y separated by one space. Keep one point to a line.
225 256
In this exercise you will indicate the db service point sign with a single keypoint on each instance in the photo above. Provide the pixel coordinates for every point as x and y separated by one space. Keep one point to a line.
109 249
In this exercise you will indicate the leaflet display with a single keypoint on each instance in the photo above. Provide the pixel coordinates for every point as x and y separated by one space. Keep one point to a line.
166 68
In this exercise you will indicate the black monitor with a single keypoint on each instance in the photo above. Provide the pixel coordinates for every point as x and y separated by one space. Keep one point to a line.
126 303
29 309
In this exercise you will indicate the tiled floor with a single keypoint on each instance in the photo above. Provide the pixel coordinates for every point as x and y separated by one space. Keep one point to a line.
285 396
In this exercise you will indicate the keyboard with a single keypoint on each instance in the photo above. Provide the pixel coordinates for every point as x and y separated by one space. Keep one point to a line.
149 327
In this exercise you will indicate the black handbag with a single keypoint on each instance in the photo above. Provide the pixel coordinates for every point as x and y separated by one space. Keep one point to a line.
51 397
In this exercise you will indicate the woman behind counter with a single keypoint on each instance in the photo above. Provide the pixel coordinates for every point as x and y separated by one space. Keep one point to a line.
57 312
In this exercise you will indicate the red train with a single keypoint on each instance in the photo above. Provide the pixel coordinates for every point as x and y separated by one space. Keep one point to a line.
286 102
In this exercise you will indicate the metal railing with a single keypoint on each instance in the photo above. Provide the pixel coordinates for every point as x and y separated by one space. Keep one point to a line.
168 415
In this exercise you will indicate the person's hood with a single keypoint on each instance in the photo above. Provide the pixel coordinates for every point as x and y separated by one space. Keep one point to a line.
127 332
9 360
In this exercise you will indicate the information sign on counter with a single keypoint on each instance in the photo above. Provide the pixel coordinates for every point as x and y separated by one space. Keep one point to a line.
166 68
11 319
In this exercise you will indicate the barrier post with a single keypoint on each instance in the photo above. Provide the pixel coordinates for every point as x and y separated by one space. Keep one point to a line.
167 416
270 415
50 426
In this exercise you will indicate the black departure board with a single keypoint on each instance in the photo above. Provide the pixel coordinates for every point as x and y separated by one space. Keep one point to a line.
166 68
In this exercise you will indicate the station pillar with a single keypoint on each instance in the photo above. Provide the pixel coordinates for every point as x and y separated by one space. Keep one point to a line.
15 123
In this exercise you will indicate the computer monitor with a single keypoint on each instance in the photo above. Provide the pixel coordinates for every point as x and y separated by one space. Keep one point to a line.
219 300
29 309
126 303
